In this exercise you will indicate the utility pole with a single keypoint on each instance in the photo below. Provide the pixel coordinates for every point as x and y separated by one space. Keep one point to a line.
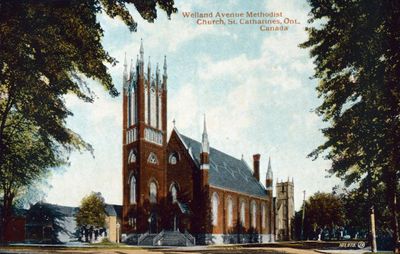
372 213
373 233
302 216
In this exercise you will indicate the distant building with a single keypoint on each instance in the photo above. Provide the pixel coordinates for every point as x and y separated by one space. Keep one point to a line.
50 223
182 185
113 222
284 210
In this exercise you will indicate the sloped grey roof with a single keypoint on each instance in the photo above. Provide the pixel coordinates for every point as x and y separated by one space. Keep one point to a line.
113 210
226 171
67 211
118 210
110 211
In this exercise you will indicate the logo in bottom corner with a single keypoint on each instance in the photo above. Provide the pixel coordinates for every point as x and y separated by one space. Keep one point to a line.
359 245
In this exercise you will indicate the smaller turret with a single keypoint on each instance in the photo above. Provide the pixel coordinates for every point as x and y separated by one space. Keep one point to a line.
125 75
149 70
141 50
165 76
269 178
205 148
132 71
141 59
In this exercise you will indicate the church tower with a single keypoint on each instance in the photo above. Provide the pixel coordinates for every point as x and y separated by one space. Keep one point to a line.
144 145
284 210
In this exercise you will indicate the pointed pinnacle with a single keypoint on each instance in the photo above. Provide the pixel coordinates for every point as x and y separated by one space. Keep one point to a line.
141 46
269 163
205 125
165 64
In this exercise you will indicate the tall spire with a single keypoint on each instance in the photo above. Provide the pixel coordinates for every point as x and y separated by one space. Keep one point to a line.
205 146
141 50
269 171
132 69
125 74
158 76
205 150
125 63
205 126
165 66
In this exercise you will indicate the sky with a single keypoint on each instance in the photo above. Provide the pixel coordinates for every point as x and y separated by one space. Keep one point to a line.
254 87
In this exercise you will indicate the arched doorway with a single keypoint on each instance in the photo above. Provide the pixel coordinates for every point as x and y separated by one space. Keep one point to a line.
153 223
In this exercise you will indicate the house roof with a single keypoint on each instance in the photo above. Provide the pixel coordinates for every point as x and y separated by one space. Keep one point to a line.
114 210
226 171
67 211
110 211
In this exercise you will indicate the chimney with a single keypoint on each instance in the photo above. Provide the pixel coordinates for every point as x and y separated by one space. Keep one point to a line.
256 166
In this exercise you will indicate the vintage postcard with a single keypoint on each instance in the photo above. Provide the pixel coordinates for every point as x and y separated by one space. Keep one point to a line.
195 123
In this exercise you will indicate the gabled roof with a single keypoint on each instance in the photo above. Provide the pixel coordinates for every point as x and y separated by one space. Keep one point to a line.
113 210
110 211
226 171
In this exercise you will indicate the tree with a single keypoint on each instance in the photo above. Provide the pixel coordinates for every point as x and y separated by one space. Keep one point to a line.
91 215
47 50
355 48
324 211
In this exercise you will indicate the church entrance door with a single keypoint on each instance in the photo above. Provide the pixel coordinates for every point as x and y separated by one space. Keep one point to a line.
153 223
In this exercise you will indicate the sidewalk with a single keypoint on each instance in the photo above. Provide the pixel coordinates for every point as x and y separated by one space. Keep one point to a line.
359 251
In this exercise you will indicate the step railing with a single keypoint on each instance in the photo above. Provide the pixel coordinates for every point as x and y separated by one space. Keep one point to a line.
189 238
158 237
142 237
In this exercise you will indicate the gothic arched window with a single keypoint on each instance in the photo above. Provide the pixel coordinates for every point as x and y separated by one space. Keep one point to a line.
263 214
129 122
173 158
146 104
153 192
152 159
159 111
132 186
230 212
153 108
243 213
133 106
253 214
132 157
215 202
174 193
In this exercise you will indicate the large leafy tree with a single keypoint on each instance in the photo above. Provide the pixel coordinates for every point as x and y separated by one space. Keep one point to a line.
91 214
46 50
355 46
324 211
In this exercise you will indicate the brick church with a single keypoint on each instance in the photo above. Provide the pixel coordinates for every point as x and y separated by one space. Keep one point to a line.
183 190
